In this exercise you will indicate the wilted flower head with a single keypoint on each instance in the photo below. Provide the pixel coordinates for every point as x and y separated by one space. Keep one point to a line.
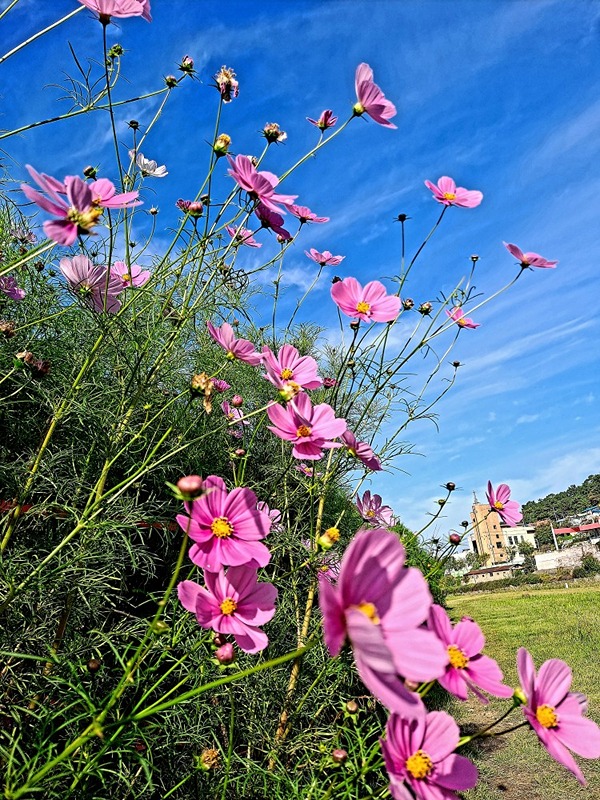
90 283
147 166
370 304
227 84
273 133
9 287
529 259
324 259
370 99
499 500
193 208
458 315
222 144
555 713
326 120
449 194
419 753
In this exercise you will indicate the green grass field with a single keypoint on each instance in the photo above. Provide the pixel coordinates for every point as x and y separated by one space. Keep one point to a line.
554 624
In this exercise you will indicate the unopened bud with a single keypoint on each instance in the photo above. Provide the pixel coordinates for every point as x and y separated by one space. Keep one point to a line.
187 64
219 639
408 304
170 81
239 453
225 654
464 523
402 217
474 259
456 364
425 309
153 211
134 124
450 486
237 400
90 172
352 707
94 665
441 502
454 538
339 755
190 486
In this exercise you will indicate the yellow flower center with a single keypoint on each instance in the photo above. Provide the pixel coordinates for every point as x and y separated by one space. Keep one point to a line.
458 659
358 109
303 430
449 196
546 716
498 504
228 606
363 307
230 355
419 765
369 610
333 534
221 527
126 277
85 219
286 374
460 322
370 513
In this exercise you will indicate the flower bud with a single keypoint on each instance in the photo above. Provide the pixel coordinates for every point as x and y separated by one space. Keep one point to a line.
187 64
474 259
352 707
402 217
464 523
222 144
115 51
329 538
134 124
219 639
153 211
519 697
329 383
456 364
195 209
408 304
339 755
190 486
239 453
454 538
441 502
425 309
450 486
170 81
336 279
225 654
237 400
355 324
94 665
90 172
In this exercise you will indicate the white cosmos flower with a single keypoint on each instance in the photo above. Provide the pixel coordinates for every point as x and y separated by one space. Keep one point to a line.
147 167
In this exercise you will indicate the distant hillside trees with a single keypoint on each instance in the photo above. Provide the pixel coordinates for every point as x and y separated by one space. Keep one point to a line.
564 504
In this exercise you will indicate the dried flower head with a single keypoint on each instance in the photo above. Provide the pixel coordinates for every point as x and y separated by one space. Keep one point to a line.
226 84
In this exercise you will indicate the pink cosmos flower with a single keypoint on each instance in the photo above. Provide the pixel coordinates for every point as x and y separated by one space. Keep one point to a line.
419 756
220 385
120 8
556 714
371 303
233 602
329 383
310 428
259 185
372 510
379 605
233 414
499 501
89 282
288 366
304 214
226 527
324 259
529 259
361 450
371 100
307 471
272 221
242 236
468 668
449 194
241 349
458 315
274 515
9 287
82 209
132 276
326 120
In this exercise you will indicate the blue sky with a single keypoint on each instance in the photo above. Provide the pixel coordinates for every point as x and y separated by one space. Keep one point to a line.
502 96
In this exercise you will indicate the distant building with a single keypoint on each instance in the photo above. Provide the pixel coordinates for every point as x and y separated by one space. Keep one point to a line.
494 540
486 574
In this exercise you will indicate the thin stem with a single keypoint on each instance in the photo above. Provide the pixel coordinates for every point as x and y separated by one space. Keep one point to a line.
230 745
8 8
39 33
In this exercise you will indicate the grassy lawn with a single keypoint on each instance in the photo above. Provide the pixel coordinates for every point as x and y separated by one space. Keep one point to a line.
554 624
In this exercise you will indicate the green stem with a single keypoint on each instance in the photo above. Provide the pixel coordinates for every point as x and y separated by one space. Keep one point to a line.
38 34
230 745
